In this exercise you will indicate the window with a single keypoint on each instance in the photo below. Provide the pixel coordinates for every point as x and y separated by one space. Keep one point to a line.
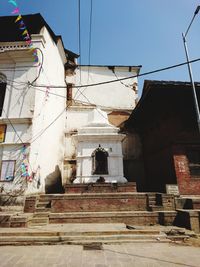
2 133
7 170
2 91
69 94
100 161
193 156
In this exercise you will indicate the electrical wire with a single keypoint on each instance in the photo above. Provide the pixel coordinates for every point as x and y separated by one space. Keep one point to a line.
126 78
36 136
44 130
126 85
90 34
41 65
140 75
89 50
13 127
16 134
37 87
79 35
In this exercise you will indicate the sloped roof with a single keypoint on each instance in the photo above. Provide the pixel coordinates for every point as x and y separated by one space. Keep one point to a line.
10 32
159 97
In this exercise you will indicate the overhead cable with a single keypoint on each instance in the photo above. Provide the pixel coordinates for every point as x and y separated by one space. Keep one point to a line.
122 79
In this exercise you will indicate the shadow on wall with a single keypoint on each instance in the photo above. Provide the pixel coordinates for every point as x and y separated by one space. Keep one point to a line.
53 182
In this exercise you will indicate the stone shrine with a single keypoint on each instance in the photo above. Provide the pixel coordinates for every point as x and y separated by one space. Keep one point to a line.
99 151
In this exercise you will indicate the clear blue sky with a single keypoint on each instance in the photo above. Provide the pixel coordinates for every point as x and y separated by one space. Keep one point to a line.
125 32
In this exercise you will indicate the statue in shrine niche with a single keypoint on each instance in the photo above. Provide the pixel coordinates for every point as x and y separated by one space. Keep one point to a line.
101 180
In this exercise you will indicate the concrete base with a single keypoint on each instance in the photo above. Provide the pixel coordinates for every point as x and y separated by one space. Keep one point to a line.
93 179
100 188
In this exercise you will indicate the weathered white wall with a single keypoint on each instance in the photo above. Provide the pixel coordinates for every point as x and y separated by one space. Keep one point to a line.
19 68
47 151
23 101
112 95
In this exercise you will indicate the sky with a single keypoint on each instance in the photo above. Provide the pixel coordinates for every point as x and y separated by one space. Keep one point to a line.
124 32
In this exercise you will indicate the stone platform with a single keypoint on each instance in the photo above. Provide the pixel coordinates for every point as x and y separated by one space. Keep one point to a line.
105 203
101 203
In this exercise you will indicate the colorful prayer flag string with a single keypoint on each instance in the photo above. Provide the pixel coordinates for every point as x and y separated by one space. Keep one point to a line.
22 27
24 165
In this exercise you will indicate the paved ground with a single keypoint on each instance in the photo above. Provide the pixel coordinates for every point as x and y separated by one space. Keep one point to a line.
126 255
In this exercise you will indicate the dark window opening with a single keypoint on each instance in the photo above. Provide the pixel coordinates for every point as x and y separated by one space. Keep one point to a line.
194 162
100 161
2 91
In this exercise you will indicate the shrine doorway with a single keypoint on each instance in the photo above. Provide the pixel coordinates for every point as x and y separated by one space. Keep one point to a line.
100 161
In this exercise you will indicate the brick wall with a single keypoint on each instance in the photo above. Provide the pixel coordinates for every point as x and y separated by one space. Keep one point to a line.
187 184
98 202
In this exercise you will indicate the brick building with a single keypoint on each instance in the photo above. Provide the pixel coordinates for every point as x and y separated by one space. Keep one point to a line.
165 121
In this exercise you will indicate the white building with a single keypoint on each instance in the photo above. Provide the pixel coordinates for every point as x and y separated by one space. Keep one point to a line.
38 134
117 99
31 116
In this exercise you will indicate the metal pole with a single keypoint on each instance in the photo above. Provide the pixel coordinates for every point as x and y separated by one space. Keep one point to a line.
192 81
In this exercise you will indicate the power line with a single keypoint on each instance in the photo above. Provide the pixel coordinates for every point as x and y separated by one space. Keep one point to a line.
36 136
17 135
139 75
40 65
37 87
89 49
122 79
79 34
90 35
126 85
44 130
13 127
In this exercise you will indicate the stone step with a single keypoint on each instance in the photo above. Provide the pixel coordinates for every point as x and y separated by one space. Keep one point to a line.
42 204
152 197
134 217
178 237
37 224
5 240
40 220
42 210
41 214
156 208
142 232
81 242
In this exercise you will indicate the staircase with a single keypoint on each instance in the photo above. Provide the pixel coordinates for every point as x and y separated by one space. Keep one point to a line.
153 203
41 214
85 203
84 234
160 202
